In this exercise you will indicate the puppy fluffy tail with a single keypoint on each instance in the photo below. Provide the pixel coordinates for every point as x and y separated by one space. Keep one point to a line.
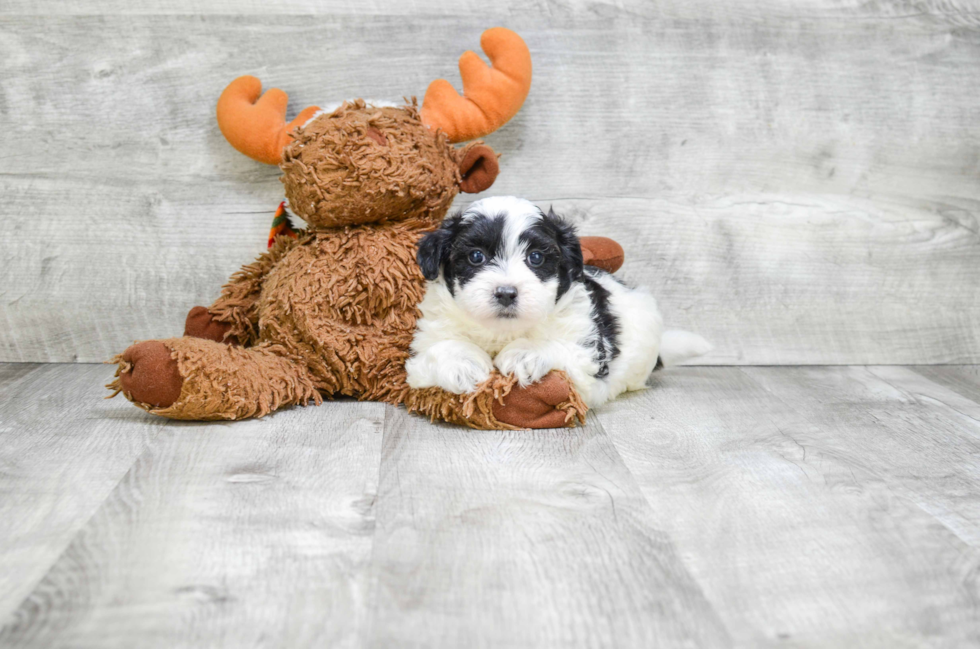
677 346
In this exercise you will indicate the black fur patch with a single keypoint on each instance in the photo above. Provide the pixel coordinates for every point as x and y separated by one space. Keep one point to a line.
448 248
607 325
435 248
481 232
555 239
432 248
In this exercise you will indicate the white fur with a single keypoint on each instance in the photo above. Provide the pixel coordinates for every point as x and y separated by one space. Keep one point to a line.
457 336
677 346
470 366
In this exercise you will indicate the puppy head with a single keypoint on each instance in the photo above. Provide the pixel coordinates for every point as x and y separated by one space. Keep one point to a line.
505 262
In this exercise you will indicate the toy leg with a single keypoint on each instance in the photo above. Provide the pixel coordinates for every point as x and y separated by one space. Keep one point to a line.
192 378
201 323
499 403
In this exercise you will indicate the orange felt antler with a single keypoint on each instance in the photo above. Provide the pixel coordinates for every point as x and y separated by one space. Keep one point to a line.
491 95
257 128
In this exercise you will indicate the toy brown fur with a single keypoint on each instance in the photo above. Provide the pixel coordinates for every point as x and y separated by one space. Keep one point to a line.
333 312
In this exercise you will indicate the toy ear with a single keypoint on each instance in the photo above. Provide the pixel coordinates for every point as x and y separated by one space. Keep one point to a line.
478 169
433 252
570 267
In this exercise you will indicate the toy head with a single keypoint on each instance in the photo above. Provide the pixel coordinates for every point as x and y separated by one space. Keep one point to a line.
367 164
363 164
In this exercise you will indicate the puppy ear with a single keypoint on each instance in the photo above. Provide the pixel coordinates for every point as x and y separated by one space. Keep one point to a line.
432 253
571 266
433 250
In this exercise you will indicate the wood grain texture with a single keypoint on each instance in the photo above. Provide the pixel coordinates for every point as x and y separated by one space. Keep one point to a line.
63 449
523 539
957 12
838 280
245 534
924 438
797 182
816 507
748 507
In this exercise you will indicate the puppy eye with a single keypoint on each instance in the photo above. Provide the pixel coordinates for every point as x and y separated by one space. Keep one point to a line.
535 259
476 257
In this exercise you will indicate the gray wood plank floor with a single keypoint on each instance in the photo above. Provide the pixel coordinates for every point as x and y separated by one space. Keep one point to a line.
749 507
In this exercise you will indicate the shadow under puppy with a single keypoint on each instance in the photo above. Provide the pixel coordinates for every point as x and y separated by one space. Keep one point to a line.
507 287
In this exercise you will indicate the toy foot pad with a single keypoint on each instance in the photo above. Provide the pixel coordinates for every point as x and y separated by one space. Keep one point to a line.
150 375
535 405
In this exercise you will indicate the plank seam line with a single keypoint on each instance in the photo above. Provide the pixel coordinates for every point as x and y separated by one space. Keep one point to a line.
10 618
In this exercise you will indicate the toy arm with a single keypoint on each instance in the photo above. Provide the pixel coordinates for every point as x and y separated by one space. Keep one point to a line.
237 308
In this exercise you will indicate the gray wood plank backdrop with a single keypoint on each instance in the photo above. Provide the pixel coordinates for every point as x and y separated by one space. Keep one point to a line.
796 181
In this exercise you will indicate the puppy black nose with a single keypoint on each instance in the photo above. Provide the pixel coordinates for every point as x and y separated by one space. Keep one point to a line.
505 295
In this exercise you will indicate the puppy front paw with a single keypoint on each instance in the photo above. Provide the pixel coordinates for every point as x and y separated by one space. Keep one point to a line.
527 363
462 375
455 368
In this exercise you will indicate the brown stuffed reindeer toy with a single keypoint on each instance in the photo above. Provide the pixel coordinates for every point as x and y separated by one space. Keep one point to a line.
332 312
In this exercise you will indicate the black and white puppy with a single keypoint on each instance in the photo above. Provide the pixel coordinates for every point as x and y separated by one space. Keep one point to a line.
507 288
